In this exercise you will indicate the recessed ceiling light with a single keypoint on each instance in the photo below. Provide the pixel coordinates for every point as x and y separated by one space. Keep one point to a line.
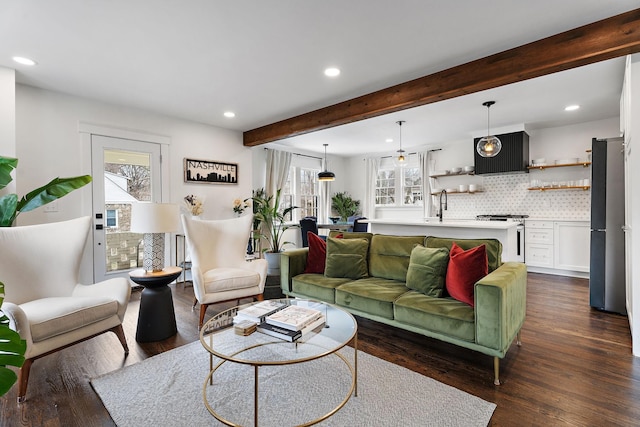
571 107
229 114
332 72
388 140
24 61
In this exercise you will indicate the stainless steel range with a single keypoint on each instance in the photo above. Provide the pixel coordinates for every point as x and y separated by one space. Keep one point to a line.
519 230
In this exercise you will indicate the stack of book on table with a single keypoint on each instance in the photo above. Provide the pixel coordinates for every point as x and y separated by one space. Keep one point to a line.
258 312
245 327
292 322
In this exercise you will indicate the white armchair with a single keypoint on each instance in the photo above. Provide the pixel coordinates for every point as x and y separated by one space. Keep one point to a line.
45 304
219 269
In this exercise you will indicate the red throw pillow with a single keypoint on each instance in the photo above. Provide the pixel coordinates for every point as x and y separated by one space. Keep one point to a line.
464 270
317 254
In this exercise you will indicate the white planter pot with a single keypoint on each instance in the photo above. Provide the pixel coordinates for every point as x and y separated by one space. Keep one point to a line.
273 263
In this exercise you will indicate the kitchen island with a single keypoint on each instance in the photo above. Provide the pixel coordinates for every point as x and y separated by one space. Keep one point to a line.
504 231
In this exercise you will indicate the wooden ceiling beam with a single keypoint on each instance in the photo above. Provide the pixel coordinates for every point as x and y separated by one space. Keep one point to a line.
599 41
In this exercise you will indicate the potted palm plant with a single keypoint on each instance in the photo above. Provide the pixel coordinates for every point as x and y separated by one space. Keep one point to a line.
271 217
344 205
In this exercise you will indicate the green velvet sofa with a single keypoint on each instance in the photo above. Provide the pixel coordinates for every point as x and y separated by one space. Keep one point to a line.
489 327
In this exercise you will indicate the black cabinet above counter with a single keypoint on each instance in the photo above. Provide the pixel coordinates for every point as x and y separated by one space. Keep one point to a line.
512 158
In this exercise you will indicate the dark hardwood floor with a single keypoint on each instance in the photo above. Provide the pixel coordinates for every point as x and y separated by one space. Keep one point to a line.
574 367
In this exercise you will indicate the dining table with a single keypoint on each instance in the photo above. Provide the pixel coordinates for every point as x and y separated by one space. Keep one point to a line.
338 226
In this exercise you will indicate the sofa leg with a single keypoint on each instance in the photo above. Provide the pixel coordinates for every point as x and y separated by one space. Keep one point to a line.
23 380
496 370
518 341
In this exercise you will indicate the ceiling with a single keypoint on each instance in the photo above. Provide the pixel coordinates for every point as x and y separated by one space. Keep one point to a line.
264 60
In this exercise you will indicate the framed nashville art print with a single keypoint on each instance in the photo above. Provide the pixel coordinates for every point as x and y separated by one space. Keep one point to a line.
210 172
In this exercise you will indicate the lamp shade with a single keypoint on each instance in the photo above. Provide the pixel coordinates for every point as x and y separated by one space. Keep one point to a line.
155 217
326 176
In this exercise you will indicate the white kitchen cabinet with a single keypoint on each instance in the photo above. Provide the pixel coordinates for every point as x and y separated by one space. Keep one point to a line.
539 243
539 255
571 245
557 247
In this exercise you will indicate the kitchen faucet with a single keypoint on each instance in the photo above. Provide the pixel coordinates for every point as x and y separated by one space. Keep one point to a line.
442 193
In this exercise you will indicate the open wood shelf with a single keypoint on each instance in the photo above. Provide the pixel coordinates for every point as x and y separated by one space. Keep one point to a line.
579 187
458 192
452 174
583 164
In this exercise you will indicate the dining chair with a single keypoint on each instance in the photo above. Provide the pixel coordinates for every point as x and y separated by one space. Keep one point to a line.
359 226
307 224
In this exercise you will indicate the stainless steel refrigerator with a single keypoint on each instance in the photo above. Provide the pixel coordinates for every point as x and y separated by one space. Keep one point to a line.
607 266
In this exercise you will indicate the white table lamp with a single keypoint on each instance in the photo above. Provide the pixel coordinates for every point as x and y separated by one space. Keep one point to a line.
154 220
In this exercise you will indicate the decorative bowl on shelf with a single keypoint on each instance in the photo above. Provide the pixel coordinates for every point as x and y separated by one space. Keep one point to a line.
469 168
334 219
451 190
456 170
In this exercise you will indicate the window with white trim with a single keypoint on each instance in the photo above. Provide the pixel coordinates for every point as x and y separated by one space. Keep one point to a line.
302 187
112 218
399 186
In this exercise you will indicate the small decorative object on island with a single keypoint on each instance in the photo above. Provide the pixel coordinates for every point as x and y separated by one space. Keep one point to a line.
272 217
193 205
10 207
344 205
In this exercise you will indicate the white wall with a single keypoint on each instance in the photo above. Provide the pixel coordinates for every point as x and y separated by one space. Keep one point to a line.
8 118
48 144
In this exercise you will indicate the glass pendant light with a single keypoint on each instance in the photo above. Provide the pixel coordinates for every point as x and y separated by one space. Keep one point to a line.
326 175
490 145
401 159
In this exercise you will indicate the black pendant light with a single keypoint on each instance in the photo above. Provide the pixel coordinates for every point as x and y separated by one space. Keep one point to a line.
401 160
488 146
326 175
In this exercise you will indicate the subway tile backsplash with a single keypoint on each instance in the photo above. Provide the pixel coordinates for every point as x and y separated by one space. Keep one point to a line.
508 194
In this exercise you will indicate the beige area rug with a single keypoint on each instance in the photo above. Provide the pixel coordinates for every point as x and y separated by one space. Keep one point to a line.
166 390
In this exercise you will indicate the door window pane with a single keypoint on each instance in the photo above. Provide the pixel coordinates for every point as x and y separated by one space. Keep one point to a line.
127 180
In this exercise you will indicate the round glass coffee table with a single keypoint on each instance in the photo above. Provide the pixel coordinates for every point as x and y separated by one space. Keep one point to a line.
260 350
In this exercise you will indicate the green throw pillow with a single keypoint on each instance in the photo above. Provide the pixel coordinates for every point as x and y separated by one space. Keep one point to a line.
347 258
428 270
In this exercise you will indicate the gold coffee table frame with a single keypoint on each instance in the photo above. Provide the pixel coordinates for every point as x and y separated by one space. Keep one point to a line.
342 330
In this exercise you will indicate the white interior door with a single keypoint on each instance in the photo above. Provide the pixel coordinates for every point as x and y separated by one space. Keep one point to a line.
124 171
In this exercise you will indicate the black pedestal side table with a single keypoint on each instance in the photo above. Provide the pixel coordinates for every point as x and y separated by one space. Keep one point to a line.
157 318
